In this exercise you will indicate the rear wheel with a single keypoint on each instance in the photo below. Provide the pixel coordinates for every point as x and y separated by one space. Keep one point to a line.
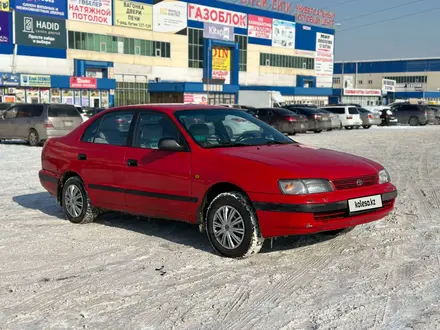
348 127
338 232
414 121
232 226
76 202
366 126
317 131
33 138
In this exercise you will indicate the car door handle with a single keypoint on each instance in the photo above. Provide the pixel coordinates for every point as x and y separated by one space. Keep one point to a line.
132 162
82 157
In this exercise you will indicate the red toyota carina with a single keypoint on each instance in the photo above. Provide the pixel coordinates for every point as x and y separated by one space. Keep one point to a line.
179 162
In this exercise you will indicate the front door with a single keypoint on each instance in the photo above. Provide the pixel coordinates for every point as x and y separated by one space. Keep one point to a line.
157 182
100 159
7 124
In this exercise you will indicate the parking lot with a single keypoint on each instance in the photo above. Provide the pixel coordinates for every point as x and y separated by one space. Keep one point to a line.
125 272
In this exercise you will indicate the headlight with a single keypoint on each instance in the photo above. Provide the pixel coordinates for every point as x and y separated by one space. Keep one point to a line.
305 186
384 176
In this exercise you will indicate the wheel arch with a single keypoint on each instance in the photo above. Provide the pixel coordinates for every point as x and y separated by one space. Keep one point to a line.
211 193
62 180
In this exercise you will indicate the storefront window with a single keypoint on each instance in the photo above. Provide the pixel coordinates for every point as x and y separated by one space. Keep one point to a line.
55 95
287 61
104 99
85 101
217 98
242 44
195 48
32 95
44 95
128 93
67 96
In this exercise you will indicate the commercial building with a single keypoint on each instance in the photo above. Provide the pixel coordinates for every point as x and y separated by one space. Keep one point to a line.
117 52
381 81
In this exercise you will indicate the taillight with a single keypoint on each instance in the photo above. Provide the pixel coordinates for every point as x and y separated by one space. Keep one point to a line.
370 116
316 117
426 113
349 117
291 118
48 124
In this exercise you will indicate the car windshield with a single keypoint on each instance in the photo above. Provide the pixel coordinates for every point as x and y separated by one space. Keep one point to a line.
211 128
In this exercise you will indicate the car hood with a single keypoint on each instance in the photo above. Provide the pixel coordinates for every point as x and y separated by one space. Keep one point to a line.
307 162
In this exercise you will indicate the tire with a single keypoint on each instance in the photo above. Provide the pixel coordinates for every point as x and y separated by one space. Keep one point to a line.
87 213
330 129
414 121
366 127
229 131
33 138
317 131
248 243
348 127
338 232
437 121
293 133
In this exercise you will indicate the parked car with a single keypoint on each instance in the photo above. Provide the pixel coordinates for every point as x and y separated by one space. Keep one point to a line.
82 112
167 169
413 114
36 123
348 114
282 120
369 118
436 109
238 106
334 118
387 118
318 121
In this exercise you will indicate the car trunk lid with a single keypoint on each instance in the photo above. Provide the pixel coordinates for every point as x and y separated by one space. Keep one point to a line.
63 117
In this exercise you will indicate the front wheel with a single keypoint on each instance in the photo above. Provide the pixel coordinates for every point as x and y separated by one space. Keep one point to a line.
366 127
348 127
414 121
232 226
33 138
76 202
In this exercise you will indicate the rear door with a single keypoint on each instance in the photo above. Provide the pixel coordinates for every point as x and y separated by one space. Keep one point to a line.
354 113
7 129
64 118
100 159
22 122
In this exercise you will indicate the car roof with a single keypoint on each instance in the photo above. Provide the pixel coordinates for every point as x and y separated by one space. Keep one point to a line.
169 107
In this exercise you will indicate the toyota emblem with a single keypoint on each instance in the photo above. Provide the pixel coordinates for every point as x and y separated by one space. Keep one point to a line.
359 182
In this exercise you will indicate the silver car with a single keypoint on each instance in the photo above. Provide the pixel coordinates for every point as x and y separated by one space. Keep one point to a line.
335 121
369 118
35 123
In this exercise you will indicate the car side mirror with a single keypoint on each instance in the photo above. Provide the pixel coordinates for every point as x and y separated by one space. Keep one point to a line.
170 144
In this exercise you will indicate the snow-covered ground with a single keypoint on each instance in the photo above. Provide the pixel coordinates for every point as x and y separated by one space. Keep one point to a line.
126 273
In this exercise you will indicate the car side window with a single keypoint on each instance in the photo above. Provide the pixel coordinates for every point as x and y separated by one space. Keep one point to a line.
37 110
113 129
11 113
151 128
353 111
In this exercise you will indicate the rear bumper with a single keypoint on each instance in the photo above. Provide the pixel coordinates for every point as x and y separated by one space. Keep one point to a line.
285 219
49 181
321 125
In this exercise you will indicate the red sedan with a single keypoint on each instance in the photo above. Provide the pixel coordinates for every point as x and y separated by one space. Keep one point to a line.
179 162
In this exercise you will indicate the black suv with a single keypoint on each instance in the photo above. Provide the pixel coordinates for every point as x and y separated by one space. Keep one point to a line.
413 114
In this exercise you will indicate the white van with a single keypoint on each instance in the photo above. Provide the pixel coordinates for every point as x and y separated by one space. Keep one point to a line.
349 115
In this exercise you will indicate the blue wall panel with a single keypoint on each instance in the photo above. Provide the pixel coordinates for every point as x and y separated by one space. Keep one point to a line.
41 52
306 39
258 41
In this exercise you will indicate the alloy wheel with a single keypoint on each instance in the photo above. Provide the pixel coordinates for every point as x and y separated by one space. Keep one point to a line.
229 228
74 201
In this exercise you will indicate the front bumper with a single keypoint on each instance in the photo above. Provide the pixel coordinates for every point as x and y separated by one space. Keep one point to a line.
278 217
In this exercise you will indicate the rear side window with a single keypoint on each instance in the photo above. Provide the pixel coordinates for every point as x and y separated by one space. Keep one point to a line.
353 111
37 110
113 128
339 111
63 111
283 112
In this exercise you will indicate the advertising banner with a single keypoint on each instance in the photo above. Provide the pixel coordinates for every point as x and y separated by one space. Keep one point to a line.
170 17
96 11
216 31
362 92
83 82
324 60
313 16
259 27
5 32
190 98
283 34
9 79
133 15
32 80
40 31
278 6
54 8
221 64
216 15
4 5
388 85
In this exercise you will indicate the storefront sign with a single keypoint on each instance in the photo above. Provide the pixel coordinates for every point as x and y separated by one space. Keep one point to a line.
83 82
9 79
216 31
313 16
216 15
259 27
91 11
283 34
40 31
133 15
278 6
5 33
388 85
221 64
195 98
55 8
362 92
324 60
170 16
8 98
31 80
4 5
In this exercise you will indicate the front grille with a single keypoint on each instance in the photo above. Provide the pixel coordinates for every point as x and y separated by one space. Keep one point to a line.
341 214
353 183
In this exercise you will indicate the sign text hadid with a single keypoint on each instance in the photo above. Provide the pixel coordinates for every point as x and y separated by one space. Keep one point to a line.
313 16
